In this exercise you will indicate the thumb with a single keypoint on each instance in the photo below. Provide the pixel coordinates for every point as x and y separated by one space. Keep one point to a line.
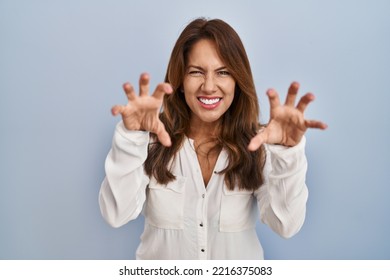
257 141
163 136
117 109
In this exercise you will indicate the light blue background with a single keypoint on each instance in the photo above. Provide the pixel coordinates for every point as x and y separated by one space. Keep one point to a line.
62 65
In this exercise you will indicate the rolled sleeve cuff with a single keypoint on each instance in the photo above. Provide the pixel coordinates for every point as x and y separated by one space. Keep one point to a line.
287 158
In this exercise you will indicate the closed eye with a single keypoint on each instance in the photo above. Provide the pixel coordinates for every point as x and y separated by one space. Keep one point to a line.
195 73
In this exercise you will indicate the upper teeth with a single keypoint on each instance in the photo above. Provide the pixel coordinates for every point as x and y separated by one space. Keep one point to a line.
209 101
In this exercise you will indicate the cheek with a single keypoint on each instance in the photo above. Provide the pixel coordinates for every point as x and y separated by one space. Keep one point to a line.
190 100
230 91
187 99
189 92
190 85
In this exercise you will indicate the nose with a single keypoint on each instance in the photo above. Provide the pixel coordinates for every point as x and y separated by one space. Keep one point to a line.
209 84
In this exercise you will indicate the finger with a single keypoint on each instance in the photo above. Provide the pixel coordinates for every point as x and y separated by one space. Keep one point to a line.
162 89
129 90
273 98
163 136
315 124
257 141
292 94
117 109
304 101
144 84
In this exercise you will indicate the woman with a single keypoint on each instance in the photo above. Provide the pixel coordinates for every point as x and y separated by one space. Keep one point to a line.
201 170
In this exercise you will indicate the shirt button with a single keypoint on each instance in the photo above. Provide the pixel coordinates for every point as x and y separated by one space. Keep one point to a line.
202 195
201 224
202 250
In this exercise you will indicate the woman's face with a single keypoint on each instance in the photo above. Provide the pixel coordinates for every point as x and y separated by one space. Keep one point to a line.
208 85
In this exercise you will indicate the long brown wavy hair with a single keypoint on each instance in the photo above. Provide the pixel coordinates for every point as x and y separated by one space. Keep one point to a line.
240 122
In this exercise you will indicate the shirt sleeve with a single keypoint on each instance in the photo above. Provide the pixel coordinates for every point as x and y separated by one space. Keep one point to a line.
283 196
122 192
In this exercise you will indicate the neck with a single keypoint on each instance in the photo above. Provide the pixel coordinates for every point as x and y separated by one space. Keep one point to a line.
206 145
203 130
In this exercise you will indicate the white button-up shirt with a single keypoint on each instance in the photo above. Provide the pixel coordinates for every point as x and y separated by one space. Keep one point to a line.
186 220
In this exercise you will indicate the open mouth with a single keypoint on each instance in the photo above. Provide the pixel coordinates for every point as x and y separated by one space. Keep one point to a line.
209 101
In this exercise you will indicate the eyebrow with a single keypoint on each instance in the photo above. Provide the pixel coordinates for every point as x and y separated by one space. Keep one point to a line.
200 68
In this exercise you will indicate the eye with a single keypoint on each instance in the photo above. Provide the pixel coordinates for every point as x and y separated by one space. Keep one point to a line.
223 73
195 73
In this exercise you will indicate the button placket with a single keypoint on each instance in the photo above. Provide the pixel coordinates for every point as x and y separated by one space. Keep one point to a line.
202 226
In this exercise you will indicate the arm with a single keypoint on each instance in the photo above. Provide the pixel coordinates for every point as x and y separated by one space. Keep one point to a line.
122 193
282 198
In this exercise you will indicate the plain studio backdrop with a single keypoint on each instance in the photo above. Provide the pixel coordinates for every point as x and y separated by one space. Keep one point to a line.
62 66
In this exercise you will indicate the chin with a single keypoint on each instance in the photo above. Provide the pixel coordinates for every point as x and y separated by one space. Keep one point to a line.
211 119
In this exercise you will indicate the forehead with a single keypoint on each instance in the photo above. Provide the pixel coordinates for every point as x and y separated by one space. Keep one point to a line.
204 54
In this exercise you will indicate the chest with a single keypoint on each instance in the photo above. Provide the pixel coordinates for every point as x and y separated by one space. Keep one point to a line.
207 165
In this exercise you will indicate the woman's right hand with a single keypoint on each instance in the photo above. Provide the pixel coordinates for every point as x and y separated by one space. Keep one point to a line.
142 112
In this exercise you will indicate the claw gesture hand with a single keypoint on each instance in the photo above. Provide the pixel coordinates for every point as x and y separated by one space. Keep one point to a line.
287 124
142 112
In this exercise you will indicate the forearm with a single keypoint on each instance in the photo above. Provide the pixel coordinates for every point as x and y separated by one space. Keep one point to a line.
122 193
282 199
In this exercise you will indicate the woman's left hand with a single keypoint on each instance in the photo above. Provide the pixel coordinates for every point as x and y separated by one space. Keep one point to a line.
287 124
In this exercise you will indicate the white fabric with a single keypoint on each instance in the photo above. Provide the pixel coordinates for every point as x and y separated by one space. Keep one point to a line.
185 220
